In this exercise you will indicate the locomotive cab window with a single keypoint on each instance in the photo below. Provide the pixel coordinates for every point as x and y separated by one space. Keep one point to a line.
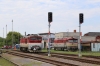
39 38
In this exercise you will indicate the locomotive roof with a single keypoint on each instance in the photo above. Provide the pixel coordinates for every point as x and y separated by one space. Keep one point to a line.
30 36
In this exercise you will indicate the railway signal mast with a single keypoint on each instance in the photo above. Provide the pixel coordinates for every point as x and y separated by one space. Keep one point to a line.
49 21
80 22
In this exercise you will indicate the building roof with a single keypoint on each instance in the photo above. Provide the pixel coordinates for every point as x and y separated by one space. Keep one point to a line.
92 34
70 34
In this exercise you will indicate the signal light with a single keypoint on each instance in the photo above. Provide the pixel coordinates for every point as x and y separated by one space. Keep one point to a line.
49 16
81 18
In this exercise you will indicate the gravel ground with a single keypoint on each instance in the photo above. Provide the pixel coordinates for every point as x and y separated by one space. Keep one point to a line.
25 61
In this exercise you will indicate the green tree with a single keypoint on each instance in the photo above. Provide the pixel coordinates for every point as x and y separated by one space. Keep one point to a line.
2 41
16 38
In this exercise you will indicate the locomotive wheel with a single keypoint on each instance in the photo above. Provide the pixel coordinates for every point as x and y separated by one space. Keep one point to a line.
26 50
21 49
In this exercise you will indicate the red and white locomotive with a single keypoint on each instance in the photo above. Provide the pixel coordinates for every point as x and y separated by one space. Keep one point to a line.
66 44
31 43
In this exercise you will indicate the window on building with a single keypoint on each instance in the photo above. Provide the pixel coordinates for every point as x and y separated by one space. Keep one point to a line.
93 45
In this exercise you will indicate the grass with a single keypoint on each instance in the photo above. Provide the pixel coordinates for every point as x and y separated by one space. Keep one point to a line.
70 52
4 62
3 50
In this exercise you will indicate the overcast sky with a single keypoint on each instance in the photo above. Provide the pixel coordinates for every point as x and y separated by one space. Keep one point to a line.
32 15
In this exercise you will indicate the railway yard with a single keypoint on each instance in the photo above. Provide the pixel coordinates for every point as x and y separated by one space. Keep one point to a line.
56 59
50 33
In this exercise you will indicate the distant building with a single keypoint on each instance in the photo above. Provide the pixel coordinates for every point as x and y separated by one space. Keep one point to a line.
92 34
86 42
88 38
94 38
45 38
95 46
67 34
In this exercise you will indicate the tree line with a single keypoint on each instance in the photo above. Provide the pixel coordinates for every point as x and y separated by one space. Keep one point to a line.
8 40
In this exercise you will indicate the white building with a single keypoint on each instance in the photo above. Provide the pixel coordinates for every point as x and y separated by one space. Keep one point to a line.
67 34
95 46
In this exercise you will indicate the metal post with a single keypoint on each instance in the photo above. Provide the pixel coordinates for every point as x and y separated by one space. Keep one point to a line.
3 36
49 41
18 36
6 34
12 34
79 46
67 32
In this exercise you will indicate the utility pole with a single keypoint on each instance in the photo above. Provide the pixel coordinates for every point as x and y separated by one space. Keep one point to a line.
6 34
67 32
3 36
18 36
12 34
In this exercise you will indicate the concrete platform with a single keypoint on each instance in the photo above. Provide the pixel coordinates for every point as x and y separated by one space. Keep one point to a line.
24 61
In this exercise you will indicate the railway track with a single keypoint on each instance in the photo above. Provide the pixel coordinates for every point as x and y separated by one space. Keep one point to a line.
76 58
41 58
72 57
88 56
